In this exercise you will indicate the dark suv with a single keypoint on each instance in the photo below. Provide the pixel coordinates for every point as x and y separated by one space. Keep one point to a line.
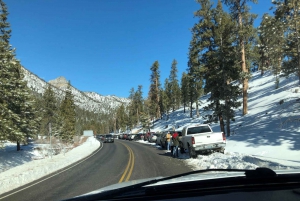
108 138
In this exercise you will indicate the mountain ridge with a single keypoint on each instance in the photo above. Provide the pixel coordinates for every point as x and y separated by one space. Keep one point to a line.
90 101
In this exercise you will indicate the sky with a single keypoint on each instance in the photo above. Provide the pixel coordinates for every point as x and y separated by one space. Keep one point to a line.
104 46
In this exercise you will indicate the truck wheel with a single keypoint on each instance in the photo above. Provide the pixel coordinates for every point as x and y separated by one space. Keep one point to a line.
192 152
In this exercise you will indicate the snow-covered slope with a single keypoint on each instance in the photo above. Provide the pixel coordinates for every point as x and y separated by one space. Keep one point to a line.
271 129
86 100
20 168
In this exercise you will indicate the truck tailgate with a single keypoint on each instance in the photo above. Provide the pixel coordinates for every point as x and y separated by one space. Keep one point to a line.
208 138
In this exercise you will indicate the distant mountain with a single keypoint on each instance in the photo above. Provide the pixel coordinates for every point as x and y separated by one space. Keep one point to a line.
60 82
90 101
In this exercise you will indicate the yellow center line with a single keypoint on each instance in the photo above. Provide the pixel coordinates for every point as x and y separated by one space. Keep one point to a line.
130 165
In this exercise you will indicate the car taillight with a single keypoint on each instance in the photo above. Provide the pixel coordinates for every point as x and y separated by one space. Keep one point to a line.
224 137
193 140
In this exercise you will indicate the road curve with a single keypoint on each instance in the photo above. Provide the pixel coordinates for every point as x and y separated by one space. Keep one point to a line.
114 162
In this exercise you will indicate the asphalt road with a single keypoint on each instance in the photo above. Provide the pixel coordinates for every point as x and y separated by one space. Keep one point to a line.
112 163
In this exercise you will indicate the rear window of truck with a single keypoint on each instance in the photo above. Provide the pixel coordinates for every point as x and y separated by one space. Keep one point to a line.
199 129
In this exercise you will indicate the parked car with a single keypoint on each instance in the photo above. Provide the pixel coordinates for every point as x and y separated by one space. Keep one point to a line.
159 139
108 138
162 139
121 136
153 138
125 136
130 137
201 139
137 137
147 136
141 136
100 137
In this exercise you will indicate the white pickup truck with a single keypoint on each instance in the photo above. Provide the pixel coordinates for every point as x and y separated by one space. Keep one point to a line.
200 139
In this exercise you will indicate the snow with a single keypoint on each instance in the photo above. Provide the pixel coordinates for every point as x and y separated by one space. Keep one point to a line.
90 101
268 136
20 168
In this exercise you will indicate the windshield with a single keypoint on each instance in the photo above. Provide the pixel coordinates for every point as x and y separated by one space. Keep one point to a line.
74 73
199 129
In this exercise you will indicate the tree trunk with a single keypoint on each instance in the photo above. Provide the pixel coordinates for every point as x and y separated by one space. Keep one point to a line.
221 123
228 126
157 99
297 36
220 116
197 109
262 68
227 108
243 65
137 115
191 110
18 146
298 51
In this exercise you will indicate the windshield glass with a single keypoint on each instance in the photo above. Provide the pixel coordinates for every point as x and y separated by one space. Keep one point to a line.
199 129
75 73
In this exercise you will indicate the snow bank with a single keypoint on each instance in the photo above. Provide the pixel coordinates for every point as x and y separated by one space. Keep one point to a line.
229 160
269 132
33 170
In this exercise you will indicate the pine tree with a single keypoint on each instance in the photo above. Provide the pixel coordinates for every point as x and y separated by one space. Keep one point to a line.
201 35
174 87
121 118
287 14
219 67
50 111
136 106
22 105
222 68
145 121
154 90
132 119
138 100
165 102
18 119
271 45
68 115
162 103
240 13
167 96
184 90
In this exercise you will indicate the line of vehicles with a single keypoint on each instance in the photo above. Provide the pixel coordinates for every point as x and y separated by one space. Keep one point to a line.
106 138
195 139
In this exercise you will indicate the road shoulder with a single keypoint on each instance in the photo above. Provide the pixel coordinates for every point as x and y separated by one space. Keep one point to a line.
31 171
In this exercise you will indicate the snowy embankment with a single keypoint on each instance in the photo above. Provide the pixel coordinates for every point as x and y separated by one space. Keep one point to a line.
268 136
229 160
30 170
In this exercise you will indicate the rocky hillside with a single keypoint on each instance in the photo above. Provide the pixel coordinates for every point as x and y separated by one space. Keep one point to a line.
87 100
59 82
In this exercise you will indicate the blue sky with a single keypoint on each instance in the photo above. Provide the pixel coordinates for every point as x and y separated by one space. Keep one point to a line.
104 46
